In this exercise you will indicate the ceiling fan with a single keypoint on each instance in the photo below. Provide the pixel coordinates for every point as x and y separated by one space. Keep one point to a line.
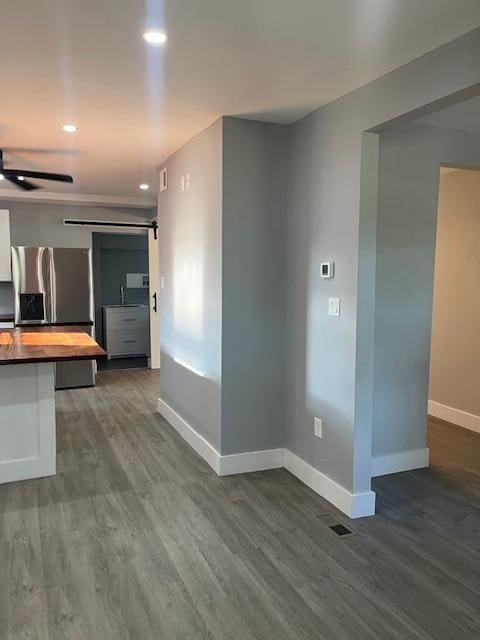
18 176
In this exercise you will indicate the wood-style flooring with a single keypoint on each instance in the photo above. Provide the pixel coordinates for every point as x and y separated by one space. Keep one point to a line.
136 538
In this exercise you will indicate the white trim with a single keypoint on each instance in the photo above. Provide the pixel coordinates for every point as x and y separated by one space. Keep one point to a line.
222 465
188 433
353 505
80 199
34 383
27 468
251 461
455 416
398 462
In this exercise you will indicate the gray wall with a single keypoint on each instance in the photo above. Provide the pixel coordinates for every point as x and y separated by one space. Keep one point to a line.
115 255
38 224
222 253
329 360
253 373
190 234
455 346
410 158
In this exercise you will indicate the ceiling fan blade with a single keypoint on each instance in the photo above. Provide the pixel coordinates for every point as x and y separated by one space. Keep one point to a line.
39 175
23 184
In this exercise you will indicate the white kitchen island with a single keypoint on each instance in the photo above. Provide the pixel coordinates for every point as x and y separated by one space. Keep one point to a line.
27 395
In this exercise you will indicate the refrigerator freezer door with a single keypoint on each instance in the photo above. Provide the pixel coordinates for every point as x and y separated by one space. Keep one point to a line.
31 275
72 286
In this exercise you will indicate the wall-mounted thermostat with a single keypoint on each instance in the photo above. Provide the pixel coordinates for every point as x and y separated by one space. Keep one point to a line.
326 270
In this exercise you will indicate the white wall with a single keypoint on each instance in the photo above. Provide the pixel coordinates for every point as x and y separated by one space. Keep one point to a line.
455 346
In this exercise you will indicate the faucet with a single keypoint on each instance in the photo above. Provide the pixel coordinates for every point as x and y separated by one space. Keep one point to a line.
122 295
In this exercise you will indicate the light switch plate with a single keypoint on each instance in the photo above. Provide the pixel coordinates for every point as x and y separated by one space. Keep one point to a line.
318 427
334 307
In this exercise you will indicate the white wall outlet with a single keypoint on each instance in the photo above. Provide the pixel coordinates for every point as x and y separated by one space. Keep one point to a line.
182 183
187 182
162 283
334 307
327 270
318 427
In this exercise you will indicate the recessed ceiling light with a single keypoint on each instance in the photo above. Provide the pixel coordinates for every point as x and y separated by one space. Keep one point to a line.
21 178
70 128
155 37
144 186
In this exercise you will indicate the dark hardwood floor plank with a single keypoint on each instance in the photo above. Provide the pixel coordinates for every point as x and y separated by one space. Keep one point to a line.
136 538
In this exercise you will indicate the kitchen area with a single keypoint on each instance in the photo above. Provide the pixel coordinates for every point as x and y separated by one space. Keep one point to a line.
54 337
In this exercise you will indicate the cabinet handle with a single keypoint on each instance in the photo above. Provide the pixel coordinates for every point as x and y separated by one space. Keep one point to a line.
155 302
129 340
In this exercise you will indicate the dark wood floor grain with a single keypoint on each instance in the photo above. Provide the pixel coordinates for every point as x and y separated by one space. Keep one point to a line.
137 539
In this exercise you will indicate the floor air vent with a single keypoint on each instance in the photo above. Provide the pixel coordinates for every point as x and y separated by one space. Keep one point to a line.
334 525
340 530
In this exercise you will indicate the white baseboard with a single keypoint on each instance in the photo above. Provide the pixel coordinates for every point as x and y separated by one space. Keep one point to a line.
251 461
28 468
222 465
455 416
353 505
398 462
188 433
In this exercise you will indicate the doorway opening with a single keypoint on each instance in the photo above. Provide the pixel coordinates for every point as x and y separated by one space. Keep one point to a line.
122 299
414 368
454 382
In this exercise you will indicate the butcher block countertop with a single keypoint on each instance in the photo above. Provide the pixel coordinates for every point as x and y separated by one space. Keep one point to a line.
47 344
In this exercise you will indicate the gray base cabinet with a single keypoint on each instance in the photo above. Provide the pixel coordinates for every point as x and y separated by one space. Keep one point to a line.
126 331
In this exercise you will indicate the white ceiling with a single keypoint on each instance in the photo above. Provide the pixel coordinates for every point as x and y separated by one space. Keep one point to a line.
464 116
85 61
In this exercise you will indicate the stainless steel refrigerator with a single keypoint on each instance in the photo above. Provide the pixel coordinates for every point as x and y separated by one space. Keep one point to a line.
54 286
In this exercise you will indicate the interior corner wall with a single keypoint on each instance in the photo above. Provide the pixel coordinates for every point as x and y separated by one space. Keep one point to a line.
409 169
253 334
455 347
190 245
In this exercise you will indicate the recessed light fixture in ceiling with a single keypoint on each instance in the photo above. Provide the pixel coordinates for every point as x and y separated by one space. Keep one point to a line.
144 186
70 128
154 37
21 178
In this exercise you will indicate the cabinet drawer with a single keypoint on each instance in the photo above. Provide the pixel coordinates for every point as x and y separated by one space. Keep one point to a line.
126 342
126 318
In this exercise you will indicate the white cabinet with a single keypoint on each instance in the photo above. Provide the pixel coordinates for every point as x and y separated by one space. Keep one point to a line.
126 331
5 261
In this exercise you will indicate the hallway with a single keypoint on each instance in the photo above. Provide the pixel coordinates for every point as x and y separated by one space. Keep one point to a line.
136 538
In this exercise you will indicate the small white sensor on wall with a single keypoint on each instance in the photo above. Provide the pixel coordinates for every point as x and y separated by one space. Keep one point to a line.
163 179
327 270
